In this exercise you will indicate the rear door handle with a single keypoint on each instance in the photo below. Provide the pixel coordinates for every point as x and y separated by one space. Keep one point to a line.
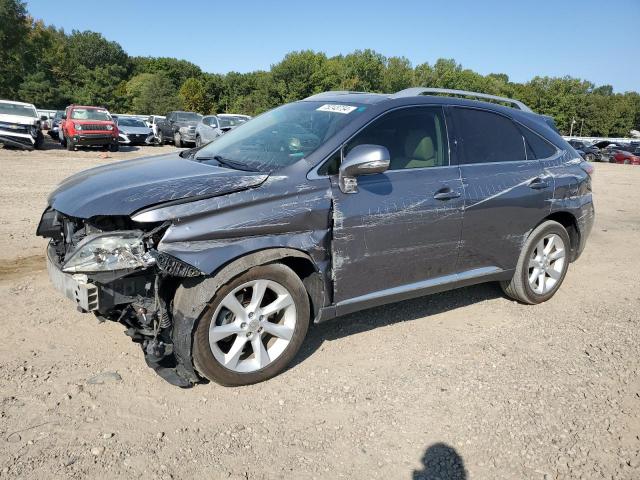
446 194
538 184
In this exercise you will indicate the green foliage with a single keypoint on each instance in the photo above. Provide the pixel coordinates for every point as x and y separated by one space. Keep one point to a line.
194 95
178 71
151 93
14 28
92 50
43 65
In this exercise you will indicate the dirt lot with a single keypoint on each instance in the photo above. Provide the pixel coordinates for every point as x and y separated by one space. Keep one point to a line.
465 384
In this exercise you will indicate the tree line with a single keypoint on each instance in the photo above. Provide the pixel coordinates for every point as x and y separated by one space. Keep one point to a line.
50 68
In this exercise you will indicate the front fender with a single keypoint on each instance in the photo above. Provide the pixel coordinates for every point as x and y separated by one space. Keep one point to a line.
193 294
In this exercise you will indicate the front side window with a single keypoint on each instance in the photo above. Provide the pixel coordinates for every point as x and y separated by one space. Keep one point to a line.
282 136
487 137
416 137
210 121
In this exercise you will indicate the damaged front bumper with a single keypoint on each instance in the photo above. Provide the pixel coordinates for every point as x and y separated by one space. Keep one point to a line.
139 297
75 287
17 135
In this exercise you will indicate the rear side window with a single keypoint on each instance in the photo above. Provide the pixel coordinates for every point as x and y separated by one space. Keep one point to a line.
537 147
487 137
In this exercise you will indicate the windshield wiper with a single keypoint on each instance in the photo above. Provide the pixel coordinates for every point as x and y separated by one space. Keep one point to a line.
227 162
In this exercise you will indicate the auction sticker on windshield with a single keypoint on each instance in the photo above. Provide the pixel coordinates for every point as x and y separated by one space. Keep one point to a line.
336 108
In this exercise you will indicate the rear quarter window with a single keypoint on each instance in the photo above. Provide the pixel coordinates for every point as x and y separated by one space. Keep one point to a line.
537 147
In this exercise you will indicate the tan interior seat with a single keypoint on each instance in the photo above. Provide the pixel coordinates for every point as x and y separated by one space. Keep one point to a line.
418 150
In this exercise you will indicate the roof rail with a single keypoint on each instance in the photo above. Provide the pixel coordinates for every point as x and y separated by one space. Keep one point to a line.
330 93
412 92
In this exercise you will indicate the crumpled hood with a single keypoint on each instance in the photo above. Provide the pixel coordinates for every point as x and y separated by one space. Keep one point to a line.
125 187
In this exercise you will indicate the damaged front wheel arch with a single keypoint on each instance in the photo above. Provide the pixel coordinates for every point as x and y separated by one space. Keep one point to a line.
194 294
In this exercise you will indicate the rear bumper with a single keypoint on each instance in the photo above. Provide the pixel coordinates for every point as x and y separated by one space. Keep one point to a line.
585 225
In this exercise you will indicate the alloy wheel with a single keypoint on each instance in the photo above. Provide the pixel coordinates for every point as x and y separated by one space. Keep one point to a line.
546 264
252 326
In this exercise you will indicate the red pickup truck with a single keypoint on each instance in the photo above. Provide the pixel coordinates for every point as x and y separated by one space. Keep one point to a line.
88 126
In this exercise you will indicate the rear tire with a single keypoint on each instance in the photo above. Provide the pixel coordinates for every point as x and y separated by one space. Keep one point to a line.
292 318
542 266
590 157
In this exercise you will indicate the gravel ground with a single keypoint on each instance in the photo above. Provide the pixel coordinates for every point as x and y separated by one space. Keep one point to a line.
465 384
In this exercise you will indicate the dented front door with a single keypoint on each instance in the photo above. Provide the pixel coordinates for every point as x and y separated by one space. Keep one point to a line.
402 227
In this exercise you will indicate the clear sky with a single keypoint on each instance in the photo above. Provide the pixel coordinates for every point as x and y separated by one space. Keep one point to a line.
591 39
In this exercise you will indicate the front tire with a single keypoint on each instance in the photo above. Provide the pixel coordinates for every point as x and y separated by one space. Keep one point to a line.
590 157
39 144
160 138
252 327
177 140
198 141
542 265
70 145
114 147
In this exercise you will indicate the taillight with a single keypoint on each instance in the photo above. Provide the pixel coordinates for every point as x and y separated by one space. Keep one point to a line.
588 167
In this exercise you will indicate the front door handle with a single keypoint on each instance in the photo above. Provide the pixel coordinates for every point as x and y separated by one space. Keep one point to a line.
538 184
446 193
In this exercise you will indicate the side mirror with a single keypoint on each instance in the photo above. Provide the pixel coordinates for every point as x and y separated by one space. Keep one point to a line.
362 160
44 118
64 117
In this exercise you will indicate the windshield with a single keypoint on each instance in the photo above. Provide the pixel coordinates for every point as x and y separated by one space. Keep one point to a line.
281 137
90 114
130 122
16 109
188 117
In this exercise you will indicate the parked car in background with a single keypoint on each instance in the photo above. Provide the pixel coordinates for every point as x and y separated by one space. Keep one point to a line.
624 157
591 153
88 126
178 128
55 125
152 122
241 118
217 259
19 125
134 132
212 126
608 148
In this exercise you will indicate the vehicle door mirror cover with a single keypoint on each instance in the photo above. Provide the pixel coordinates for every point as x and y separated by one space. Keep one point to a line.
362 160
